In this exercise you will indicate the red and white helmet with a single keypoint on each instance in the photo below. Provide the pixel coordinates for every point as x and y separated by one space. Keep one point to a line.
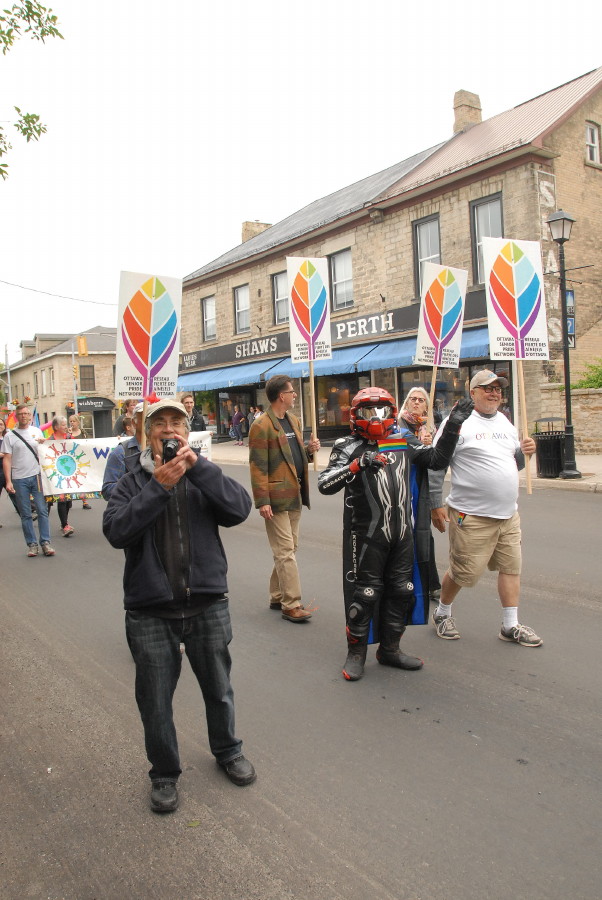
373 413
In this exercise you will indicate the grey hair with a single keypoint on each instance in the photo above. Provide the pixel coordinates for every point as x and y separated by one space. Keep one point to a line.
149 421
415 390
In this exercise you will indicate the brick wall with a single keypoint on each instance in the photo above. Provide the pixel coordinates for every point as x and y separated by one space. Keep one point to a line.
586 412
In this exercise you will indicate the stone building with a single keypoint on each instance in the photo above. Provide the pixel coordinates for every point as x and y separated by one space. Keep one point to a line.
501 177
44 377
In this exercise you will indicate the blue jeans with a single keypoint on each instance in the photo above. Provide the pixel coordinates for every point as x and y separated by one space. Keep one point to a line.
155 646
23 488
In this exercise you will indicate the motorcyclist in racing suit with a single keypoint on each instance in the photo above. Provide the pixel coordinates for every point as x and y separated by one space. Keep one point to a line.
378 549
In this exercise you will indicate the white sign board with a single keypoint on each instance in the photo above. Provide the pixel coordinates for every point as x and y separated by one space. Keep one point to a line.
441 316
309 313
148 336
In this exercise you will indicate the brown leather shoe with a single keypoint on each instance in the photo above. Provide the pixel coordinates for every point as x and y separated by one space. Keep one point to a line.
297 614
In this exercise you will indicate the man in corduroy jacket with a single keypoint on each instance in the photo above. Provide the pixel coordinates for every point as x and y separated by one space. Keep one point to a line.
279 480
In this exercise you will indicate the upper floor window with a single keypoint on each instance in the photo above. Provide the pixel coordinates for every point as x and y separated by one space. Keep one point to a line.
86 378
485 221
209 326
51 373
592 142
427 247
341 280
44 389
36 391
242 309
280 295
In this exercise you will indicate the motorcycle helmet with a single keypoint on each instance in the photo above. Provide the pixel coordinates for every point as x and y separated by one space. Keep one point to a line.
373 413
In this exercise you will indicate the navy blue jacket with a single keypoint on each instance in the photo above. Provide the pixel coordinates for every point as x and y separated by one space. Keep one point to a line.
137 500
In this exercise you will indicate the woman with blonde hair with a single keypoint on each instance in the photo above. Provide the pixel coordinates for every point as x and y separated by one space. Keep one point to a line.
412 421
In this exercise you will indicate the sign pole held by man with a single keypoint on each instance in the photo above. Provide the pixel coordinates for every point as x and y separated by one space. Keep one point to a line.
309 319
516 310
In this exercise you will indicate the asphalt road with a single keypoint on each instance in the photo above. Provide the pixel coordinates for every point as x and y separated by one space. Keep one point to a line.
477 777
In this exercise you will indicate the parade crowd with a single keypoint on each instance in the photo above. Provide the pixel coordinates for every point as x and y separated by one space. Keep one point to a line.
166 504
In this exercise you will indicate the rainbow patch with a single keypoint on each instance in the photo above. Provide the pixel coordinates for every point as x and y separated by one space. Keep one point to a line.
394 442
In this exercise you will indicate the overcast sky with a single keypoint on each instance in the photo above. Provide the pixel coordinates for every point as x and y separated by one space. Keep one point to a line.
169 124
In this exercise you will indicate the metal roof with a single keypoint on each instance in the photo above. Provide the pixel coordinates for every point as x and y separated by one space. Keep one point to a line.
99 339
320 212
524 126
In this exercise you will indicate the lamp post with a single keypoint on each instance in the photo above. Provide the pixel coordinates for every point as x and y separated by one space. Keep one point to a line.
560 227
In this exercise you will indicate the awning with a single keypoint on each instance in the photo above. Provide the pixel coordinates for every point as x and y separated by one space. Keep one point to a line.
227 376
400 353
344 361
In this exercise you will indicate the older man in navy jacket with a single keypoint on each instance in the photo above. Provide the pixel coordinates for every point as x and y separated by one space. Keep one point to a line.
165 514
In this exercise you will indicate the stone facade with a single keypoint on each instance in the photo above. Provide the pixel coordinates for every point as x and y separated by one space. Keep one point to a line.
586 408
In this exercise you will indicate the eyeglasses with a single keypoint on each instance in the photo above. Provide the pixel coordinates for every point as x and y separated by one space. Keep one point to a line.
416 400
289 392
491 388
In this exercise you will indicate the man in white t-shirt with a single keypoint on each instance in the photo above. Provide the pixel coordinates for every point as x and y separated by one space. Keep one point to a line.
484 525
22 472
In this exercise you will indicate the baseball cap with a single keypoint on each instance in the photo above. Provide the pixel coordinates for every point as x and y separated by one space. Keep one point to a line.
165 404
486 376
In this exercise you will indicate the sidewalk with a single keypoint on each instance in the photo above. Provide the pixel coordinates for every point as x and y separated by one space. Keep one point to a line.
590 466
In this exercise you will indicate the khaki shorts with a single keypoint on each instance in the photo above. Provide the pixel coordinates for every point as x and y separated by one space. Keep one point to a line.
479 543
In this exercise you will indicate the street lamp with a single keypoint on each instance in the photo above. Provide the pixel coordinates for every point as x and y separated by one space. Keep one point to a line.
560 227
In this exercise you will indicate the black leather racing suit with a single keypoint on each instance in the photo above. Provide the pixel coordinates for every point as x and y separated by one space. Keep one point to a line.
378 549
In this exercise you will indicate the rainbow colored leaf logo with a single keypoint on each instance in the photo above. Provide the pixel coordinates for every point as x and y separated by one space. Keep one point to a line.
442 311
309 303
149 330
515 293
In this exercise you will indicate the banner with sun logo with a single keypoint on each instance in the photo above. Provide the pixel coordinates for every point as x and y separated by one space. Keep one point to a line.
516 309
74 467
309 318
148 336
441 316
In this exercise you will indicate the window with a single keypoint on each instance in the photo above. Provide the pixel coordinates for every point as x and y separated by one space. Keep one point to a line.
86 378
485 221
341 280
592 142
36 392
208 313
29 388
427 247
51 373
242 317
280 295
44 391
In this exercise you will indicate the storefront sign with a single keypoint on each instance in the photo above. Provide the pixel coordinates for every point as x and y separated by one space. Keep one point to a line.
87 404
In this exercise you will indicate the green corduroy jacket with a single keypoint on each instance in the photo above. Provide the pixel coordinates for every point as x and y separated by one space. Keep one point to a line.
273 474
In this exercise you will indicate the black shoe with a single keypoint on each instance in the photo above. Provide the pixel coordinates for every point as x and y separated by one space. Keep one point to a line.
239 770
398 659
164 796
354 664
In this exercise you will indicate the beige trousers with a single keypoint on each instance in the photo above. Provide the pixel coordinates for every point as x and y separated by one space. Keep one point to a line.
283 535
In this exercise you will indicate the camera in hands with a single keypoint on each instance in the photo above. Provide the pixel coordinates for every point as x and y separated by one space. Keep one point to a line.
170 449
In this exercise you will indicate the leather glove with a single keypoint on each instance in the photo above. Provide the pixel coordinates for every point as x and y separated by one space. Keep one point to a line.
461 411
368 460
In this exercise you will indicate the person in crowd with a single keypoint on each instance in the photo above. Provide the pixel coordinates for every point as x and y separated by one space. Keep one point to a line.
129 429
77 432
280 483
378 546
412 420
258 410
3 430
482 511
60 433
22 472
250 418
127 408
196 419
166 513
237 420
123 454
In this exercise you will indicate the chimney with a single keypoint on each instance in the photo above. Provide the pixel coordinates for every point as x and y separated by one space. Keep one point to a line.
467 110
252 229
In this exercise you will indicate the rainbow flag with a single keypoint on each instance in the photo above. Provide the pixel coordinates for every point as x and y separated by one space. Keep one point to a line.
393 442
46 429
11 421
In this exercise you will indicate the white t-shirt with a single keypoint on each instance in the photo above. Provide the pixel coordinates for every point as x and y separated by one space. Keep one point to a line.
484 475
23 462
